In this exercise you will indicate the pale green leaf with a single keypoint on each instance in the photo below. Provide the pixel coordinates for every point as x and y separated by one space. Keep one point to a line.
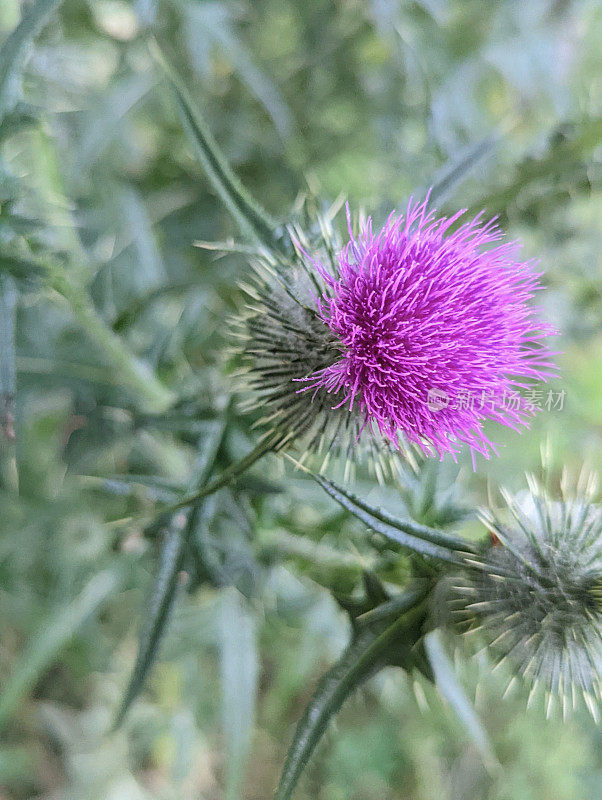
239 666
14 50
451 689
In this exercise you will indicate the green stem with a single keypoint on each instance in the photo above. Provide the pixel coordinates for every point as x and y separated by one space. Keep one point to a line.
134 375
264 446
393 608
365 655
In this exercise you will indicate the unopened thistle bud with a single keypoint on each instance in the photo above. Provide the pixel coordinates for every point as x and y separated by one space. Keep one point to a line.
536 599
411 334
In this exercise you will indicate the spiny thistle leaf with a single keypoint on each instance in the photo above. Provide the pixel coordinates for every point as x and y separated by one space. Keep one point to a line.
253 220
373 647
418 538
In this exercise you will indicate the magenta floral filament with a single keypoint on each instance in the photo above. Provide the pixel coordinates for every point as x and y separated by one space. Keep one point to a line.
425 328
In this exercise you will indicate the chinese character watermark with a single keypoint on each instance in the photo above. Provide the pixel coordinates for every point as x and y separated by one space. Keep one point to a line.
511 400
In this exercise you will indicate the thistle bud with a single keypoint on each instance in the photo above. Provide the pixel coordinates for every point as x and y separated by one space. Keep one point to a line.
536 597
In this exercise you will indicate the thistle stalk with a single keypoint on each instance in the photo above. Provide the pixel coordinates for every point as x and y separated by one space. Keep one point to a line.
265 445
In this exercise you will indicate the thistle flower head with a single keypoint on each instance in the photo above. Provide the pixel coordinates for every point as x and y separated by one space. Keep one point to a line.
537 597
412 334
435 332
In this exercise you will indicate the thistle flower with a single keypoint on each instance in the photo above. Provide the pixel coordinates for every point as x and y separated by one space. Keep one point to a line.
413 334
537 597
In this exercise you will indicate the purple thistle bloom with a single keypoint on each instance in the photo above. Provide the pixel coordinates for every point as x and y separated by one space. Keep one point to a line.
435 331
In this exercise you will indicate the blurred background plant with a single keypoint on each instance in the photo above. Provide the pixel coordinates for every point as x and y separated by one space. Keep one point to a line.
114 395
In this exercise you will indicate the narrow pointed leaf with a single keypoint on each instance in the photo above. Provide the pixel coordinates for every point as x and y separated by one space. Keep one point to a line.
253 220
57 630
161 603
171 563
14 49
366 654
419 538
451 689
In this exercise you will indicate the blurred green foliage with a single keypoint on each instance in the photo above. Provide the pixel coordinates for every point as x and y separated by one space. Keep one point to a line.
100 191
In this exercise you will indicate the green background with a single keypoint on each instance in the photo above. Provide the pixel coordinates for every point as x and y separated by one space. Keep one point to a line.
373 100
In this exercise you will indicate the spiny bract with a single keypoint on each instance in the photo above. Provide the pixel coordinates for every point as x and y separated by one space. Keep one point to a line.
413 334
536 598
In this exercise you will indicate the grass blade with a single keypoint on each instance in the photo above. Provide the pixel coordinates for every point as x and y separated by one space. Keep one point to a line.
61 625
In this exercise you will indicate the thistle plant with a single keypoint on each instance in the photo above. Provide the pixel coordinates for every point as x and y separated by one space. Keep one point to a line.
530 590
370 346
398 343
